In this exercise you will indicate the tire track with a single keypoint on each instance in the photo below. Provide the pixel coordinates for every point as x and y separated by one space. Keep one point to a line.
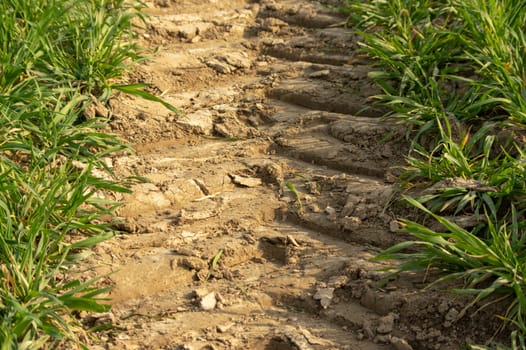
264 203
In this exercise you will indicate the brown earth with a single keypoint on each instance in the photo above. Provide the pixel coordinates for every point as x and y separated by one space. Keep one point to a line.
267 198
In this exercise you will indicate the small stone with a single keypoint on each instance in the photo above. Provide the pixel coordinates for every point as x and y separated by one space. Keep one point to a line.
338 281
330 210
224 328
385 324
367 329
320 73
122 336
95 109
220 67
246 181
451 315
192 263
188 234
236 60
208 302
292 260
382 338
394 226
351 222
443 307
400 344
185 251
314 208
200 121
324 295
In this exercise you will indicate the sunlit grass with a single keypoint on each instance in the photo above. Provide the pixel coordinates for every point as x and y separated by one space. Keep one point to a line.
56 56
454 72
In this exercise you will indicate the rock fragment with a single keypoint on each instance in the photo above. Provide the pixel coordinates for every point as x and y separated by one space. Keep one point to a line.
224 328
208 302
219 66
324 295
319 74
228 63
200 122
245 181
400 344
236 60
192 263
386 324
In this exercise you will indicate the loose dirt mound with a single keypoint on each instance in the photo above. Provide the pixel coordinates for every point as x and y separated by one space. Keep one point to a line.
265 202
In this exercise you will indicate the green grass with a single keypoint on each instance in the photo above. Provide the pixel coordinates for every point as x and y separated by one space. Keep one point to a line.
39 210
80 44
56 57
454 73
488 267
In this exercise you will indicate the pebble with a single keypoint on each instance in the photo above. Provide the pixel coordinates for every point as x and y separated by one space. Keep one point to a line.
400 344
366 329
324 295
224 328
220 67
320 73
330 210
382 338
200 121
351 222
208 302
394 226
314 208
192 263
245 181
451 315
385 324
236 60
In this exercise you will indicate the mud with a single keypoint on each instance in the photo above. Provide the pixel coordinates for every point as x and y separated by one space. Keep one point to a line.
265 201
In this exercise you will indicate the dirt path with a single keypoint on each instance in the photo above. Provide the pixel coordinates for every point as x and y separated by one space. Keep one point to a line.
266 201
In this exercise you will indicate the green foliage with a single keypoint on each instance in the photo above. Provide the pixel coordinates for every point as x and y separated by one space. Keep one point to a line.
454 72
450 69
495 42
459 58
81 44
38 210
489 267
56 56
467 176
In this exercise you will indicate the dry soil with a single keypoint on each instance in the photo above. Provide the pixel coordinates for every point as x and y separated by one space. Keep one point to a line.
267 197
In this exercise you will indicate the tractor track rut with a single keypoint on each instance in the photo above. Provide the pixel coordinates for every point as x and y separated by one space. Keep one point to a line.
265 202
